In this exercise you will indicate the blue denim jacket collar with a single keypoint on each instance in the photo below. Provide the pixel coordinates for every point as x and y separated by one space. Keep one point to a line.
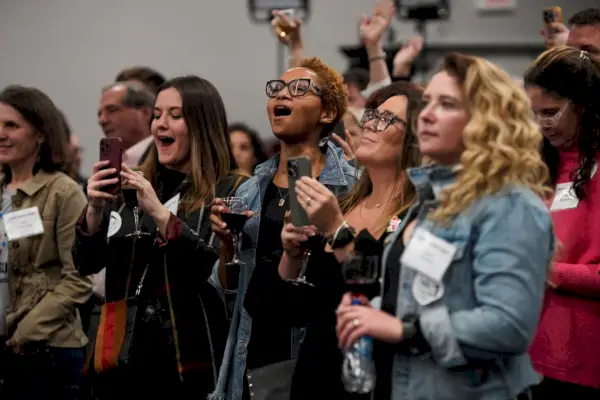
333 173
429 180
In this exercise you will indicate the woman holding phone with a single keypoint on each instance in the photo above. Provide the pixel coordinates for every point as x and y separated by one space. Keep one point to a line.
39 293
376 204
163 326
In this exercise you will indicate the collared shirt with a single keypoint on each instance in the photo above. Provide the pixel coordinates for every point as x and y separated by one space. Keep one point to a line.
133 155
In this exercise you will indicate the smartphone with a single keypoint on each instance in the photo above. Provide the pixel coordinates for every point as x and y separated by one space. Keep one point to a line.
552 15
111 150
297 168
288 12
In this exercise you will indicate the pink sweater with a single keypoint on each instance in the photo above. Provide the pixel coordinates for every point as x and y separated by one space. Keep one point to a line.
567 343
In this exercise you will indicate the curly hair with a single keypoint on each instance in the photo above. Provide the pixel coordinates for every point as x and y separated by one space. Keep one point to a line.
501 139
334 93
572 75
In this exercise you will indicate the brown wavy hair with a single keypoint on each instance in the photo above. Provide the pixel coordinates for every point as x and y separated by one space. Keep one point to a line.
409 158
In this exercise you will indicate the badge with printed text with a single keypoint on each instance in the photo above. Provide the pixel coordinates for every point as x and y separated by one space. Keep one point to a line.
23 223
114 224
428 254
564 197
426 291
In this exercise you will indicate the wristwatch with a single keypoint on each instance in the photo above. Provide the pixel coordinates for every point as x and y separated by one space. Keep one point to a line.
343 235
410 327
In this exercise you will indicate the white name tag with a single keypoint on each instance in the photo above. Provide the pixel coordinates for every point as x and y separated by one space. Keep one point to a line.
426 290
564 197
23 223
173 204
114 223
428 254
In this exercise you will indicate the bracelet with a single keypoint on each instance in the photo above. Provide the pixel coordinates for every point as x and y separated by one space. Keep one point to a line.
377 58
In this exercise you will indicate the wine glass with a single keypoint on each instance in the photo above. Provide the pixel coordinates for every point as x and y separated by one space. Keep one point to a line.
361 272
235 220
311 244
130 197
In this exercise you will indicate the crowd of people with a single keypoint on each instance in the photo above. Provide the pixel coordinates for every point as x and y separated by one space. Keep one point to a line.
469 203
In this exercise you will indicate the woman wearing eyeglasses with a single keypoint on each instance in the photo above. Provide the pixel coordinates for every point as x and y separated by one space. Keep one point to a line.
376 205
303 105
563 85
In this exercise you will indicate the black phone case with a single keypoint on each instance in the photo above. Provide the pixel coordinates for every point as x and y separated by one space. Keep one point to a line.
297 168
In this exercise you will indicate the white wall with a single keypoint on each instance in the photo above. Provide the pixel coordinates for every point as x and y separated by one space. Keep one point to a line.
71 48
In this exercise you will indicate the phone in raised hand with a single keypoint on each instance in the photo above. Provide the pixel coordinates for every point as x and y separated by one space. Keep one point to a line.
552 15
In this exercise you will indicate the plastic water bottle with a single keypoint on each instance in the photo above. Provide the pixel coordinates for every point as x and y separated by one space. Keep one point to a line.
358 368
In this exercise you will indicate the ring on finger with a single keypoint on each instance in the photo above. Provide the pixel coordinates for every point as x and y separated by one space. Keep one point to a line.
308 202
355 322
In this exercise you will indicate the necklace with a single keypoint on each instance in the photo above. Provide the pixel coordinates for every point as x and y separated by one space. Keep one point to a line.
281 197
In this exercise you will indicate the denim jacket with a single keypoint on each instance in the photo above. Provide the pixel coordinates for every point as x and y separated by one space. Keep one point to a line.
339 177
478 332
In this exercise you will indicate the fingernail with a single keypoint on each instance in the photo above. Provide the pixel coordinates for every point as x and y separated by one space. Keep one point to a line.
223 225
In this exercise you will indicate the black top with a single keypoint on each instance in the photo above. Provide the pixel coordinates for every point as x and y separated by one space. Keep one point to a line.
320 359
384 352
270 339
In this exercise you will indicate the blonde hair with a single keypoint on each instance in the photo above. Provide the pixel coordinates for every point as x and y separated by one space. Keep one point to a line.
502 141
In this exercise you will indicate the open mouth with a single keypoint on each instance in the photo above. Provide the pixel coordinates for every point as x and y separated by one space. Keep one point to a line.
282 111
166 140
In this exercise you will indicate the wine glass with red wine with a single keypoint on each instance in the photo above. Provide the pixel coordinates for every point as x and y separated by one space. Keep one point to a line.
130 196
235 220
311 244
361 273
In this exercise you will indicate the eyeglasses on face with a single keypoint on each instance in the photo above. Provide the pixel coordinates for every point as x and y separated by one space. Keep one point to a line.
550 121
381 120
296 87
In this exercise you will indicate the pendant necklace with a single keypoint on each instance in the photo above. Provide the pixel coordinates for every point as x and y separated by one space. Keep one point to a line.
281 197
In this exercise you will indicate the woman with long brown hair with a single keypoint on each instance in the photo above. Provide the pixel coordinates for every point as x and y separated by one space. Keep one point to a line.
563 84
380 197
40 288
163 326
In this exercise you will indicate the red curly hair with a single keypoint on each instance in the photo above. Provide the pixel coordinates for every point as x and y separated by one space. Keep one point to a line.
334 93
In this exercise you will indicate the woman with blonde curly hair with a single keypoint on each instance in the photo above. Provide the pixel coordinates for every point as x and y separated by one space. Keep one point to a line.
472 252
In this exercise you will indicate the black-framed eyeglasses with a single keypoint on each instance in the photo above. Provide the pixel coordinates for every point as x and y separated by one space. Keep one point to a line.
381 120
296 87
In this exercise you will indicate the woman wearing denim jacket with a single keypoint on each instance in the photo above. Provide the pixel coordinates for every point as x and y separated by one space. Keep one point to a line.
473 251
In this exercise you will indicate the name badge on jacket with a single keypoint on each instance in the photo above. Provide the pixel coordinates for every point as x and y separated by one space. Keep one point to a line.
23 223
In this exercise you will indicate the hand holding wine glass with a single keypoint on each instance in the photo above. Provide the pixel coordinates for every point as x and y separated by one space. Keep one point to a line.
234 214
145 198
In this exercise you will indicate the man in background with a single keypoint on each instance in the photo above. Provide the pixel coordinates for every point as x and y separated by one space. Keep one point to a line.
148 76
125 111
583 35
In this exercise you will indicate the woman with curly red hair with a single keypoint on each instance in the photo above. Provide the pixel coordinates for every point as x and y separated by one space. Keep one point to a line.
304 105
